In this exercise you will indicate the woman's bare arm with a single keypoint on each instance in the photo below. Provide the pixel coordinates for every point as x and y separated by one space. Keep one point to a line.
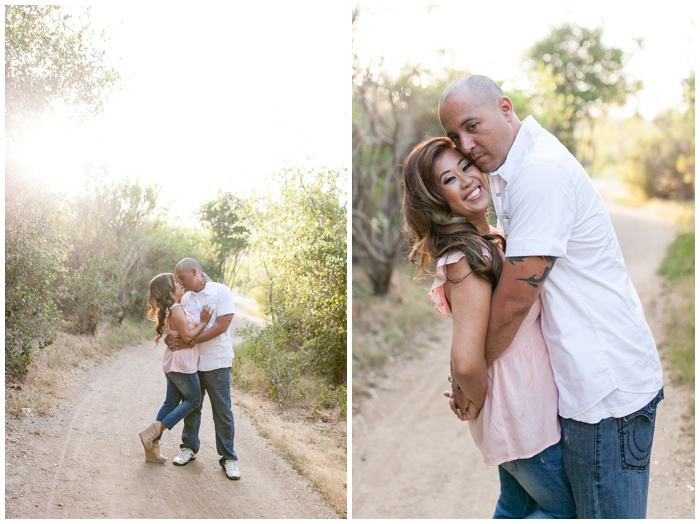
470 301
179 322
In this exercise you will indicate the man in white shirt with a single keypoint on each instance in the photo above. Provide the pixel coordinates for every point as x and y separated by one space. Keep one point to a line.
214 368
561 246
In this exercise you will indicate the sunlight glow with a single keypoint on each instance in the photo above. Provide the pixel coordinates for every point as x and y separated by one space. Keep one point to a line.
206 104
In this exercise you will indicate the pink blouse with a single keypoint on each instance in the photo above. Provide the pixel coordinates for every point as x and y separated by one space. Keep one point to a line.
519 417
182 360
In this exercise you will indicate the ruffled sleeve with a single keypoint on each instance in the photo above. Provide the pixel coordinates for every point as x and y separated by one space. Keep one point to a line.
437 291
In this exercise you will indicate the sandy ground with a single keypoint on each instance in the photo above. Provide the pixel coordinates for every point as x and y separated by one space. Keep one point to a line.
88 462
413 459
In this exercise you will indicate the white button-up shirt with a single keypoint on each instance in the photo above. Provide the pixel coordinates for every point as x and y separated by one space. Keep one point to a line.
216 353
603 354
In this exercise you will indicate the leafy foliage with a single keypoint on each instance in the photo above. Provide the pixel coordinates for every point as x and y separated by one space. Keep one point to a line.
661 157
50 55
108 271
226 221
575 78
35 249
299 238
390 116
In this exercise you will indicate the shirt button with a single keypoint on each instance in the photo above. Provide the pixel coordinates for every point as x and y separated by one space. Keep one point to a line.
498 194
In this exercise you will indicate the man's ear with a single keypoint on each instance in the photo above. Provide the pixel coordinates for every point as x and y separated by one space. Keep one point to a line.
506 107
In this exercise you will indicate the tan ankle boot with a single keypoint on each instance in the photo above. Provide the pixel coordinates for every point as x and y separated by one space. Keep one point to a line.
155 455
149 434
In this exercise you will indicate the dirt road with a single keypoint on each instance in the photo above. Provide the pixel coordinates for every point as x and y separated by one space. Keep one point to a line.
87 461
413 459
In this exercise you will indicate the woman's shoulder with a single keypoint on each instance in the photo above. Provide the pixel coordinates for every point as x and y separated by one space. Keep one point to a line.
174 307
452 256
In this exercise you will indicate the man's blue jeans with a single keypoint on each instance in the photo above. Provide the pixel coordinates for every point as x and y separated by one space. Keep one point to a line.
181 397
535 488
608 463
216 383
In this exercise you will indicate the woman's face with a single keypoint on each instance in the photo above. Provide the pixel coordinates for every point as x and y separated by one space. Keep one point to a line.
179 291
461 184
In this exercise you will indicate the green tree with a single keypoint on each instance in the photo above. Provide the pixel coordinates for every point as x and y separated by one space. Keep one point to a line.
390 116
300 237
110 230
661 157
224 217
50 54
575 79
35 250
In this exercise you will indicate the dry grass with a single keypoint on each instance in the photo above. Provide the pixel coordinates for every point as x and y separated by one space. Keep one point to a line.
312 438
314 442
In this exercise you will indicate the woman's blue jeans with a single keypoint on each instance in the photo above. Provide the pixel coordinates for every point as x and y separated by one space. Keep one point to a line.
535 488
216 383
181 397
608 463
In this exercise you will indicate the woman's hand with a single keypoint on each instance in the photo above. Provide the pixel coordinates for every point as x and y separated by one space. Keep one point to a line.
460 405
206 314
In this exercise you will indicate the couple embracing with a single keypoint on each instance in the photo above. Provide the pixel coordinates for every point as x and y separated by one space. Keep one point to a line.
195 314
552 361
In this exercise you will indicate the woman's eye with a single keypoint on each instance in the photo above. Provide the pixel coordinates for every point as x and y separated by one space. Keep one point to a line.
447 180
466 167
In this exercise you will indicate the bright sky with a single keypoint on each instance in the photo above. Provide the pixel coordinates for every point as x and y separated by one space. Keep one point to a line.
490 37
221 96
215 96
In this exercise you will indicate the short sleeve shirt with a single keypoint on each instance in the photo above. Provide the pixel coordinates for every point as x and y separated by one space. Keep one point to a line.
603 354
218 352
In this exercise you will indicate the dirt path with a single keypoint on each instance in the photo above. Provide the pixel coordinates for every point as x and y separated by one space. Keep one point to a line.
413 459
87 461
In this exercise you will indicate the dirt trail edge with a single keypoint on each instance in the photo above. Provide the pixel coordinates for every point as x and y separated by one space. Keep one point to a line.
88 462
413 459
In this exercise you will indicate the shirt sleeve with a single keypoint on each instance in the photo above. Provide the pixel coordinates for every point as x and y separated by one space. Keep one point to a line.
437 290
542 207
224 302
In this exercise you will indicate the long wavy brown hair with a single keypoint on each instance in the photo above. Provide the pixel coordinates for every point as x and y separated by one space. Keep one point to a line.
432 229
160 298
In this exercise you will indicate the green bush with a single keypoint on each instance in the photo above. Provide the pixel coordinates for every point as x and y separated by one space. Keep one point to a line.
35 251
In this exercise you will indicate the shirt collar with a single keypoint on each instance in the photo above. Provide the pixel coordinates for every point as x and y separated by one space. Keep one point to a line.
521 144
208 290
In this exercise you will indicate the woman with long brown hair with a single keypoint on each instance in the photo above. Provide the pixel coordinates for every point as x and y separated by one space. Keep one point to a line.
511 404
180 367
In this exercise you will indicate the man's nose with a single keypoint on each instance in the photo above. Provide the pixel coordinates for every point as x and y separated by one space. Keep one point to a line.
465 143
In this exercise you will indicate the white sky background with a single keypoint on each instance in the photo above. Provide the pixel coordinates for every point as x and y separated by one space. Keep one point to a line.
215 96
219 97
490 38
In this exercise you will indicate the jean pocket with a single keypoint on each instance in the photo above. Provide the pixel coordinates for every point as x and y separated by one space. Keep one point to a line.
636 438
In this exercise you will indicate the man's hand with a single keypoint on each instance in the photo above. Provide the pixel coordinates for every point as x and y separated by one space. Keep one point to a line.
174 342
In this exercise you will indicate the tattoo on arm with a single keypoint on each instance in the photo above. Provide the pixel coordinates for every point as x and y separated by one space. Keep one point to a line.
535 280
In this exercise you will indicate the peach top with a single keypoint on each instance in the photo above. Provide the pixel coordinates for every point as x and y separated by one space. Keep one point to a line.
519 417
182 360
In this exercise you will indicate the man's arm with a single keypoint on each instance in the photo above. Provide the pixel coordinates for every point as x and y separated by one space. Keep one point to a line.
220 326
520 284
217 328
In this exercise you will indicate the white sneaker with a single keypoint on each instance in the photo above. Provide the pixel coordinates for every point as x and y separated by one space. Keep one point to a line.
186 454
231 468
